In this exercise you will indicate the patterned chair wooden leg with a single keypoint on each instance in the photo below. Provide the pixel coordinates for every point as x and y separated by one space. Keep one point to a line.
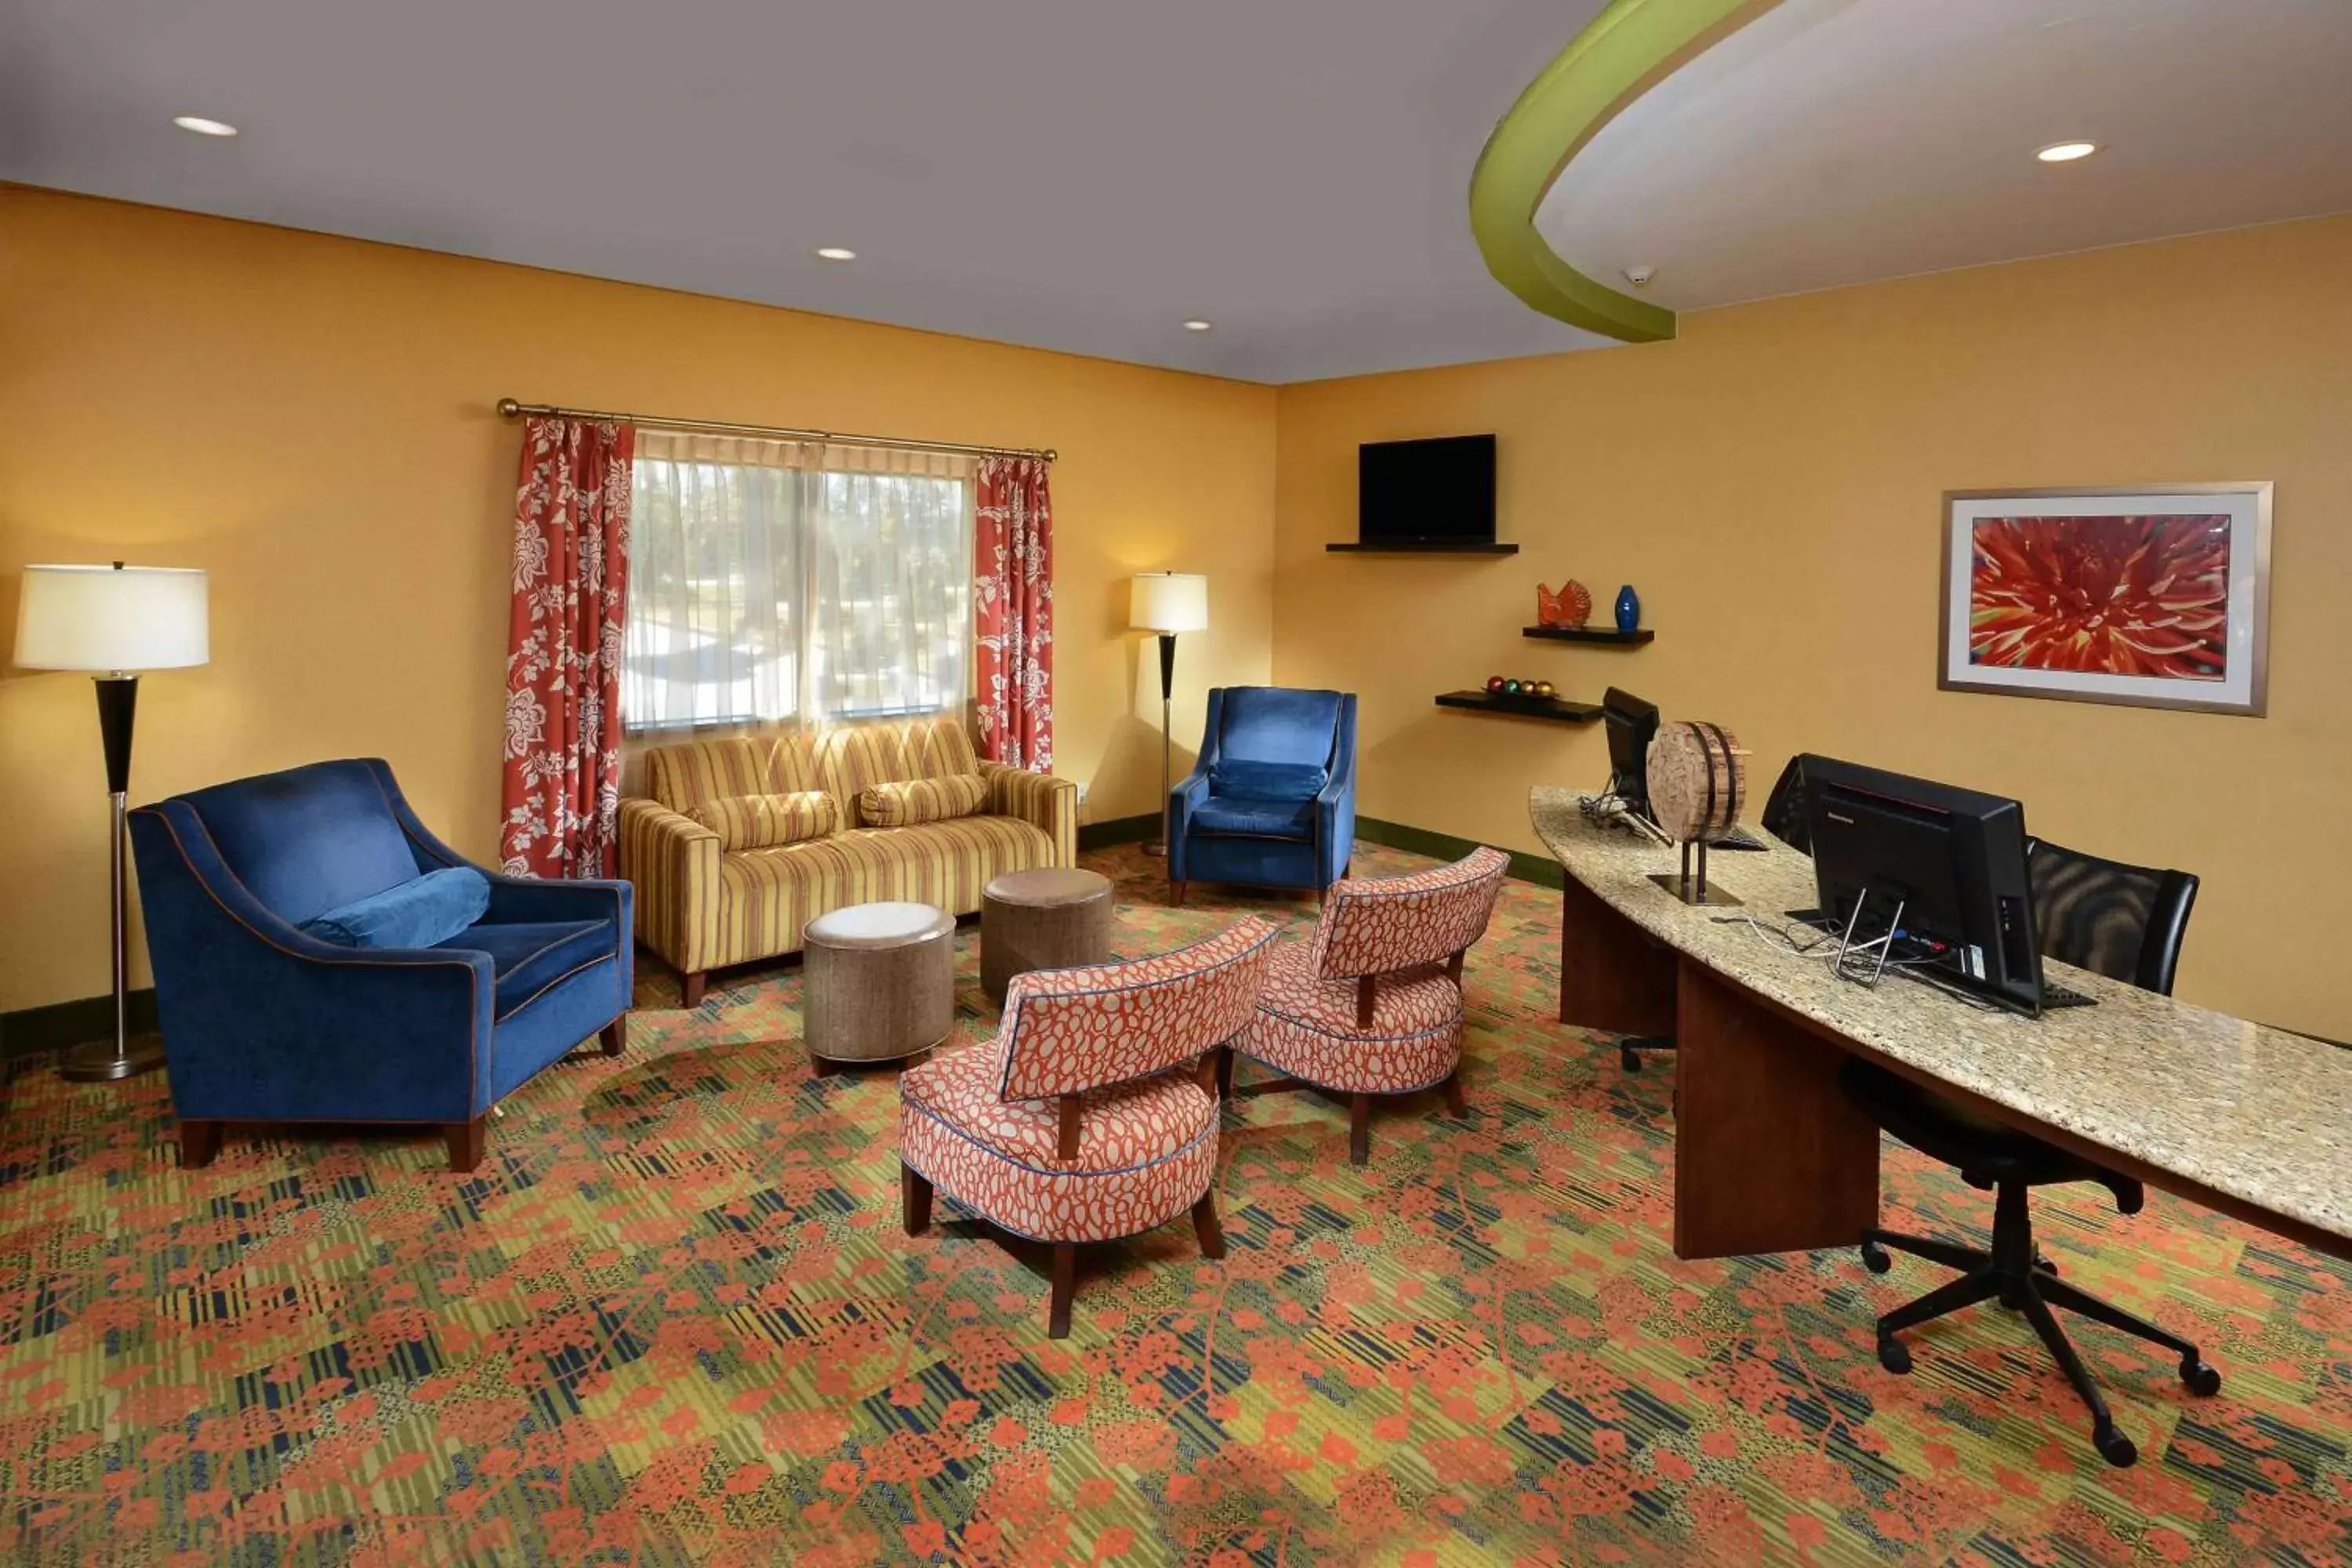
1360 1129
468 1140
615 1036
1066 1284
1206 1227
1224 1072
690 987
1452 1090
199 1142
915 1198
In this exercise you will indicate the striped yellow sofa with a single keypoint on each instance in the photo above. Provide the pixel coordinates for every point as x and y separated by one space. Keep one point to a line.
701 908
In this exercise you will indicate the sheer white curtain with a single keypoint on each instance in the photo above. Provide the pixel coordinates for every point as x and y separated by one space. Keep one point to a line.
779 582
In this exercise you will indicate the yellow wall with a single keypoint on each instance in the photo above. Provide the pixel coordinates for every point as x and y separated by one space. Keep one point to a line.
1771 483
309 418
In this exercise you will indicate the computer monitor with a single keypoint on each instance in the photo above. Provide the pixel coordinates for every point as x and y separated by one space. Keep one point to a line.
1950 860
1633 724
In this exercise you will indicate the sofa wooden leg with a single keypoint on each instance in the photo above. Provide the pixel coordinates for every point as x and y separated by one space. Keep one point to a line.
199 1142
468 1140
1175 895
614 1036
914 1198
1206 1227
1360 1129
691 986
1066 1285
1452 1088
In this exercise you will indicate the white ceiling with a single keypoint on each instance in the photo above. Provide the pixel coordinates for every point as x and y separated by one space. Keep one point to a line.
1834 142
1079 175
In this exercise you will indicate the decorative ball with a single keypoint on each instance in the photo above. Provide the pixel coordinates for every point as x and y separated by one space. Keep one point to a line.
1510 689
1495 684
1544 689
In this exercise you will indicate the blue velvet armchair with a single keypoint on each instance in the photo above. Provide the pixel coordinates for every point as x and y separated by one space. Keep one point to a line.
263 1022
1271 800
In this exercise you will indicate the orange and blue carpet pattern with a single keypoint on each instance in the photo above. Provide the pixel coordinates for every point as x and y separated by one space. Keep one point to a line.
673 1319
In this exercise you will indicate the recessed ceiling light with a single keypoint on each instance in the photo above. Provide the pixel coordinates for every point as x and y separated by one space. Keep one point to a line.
2066 151
1197 325
837 253
202 126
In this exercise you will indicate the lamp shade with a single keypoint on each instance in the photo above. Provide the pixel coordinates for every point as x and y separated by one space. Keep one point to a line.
1169 601
112 618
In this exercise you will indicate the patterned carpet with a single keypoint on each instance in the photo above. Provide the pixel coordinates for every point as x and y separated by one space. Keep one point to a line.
674 1319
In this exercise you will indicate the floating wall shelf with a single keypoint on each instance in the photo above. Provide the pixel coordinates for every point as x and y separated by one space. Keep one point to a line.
1554 709
1437 547
1610 637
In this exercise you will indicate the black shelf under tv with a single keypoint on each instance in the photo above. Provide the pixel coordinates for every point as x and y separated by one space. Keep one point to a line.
1610 635
1557 710
1425 547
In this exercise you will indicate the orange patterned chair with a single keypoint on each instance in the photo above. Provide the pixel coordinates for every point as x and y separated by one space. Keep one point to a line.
740 842
1372 1005
1079 1120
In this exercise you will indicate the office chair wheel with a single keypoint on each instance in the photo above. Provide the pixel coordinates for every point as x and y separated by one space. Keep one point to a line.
2113 1446
2201 1379
1876 1257
1630 1058
1893 1354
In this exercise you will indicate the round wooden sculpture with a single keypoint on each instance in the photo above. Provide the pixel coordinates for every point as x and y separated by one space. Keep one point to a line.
1698 780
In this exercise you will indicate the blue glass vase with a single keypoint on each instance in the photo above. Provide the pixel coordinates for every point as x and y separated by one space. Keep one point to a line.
1629 608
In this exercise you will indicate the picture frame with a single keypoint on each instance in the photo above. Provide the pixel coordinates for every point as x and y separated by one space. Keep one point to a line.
2142 596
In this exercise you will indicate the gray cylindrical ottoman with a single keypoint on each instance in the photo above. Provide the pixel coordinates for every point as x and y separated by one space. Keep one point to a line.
877 983
1051 918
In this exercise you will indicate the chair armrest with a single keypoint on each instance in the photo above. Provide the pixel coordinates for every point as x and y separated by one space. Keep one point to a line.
1184 800
672 861
1039 799
1335 805
265 1022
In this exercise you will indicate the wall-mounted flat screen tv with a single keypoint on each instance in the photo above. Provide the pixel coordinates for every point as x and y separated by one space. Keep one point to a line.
1439 492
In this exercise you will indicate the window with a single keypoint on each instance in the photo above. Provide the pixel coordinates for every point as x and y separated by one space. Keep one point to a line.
777 581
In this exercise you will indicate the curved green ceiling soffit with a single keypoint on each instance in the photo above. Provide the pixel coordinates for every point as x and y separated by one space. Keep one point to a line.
1620 54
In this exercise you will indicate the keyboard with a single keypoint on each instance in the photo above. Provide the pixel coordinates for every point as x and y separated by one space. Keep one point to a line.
2056 995
1738 839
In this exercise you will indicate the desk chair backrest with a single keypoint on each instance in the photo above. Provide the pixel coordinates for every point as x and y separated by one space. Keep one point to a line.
2126 922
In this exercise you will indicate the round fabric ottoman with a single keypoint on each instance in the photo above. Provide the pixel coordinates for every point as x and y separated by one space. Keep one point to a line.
877 983
1052 918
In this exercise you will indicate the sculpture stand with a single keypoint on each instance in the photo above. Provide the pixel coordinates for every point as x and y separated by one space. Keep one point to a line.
1691 889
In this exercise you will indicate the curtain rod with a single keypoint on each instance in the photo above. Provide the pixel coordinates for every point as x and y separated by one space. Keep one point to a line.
510 409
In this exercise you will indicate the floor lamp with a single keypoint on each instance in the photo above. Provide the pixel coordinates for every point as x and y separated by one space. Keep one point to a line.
114 621
1167 602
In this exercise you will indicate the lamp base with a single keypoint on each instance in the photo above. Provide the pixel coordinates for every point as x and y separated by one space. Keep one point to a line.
95 1061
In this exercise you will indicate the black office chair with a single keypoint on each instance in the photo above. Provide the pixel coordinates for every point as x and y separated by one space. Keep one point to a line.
2123 921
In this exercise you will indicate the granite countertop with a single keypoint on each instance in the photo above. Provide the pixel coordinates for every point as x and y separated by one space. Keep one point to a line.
2258 1113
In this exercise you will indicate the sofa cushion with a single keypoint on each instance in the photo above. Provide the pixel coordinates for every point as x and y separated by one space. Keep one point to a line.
419 913
938 749
1239 815
688 775
310 840
758 821
917 801
527 958
1268 780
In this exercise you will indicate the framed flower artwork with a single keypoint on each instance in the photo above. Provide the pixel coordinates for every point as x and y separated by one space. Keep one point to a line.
2156 597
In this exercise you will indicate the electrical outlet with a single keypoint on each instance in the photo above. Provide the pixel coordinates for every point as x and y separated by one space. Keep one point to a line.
1082 792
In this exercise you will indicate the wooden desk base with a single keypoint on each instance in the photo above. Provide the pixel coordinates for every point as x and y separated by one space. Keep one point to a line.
1768 1156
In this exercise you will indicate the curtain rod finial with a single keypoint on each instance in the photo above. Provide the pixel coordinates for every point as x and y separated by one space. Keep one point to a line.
509 407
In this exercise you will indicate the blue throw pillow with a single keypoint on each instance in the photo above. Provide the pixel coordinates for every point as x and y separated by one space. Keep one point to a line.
1268 781
418 912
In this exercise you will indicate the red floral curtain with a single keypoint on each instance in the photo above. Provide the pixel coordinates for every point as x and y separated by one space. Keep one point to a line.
563 789
1012 611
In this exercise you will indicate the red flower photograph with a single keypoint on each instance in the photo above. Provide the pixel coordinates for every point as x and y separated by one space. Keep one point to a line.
2148 596
2110 595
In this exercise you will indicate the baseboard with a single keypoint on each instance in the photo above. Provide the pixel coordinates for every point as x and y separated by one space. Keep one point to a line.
1119 830
63 1024
1538 868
